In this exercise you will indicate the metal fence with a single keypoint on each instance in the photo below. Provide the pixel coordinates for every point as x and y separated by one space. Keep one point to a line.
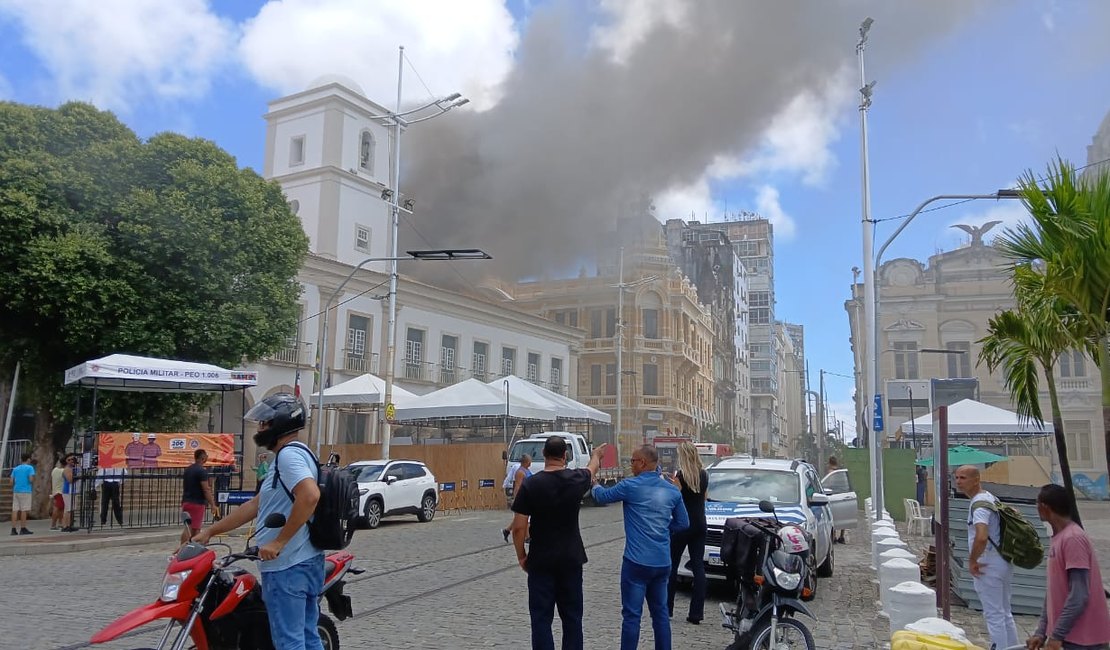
16 449
145 498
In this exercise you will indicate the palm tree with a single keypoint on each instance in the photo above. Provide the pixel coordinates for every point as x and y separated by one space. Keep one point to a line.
1069 242
1031 338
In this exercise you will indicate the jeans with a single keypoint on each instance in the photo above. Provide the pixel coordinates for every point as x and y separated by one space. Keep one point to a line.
638 581
994 587
109 491
548 590
291 603
695 542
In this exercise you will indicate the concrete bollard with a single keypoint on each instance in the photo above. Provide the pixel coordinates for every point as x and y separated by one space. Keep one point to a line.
885 544
876 535
895 572
909 602
897 552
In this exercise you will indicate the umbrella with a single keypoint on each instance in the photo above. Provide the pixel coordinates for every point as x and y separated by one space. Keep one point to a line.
965 455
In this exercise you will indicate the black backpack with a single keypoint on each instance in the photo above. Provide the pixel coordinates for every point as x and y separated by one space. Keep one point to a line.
333 522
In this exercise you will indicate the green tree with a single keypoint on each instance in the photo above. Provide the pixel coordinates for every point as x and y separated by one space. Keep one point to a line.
108 243
1029 339
1068 241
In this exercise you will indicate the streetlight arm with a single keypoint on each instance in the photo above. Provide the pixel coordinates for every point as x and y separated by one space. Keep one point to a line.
1000 194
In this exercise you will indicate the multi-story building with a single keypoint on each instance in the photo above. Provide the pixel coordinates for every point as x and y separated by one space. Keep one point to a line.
708 258
752 238
328 149
794 387
945 304
665 359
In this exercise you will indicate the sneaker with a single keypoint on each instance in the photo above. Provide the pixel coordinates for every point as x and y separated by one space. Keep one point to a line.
15 532
24 531
69 529
505 534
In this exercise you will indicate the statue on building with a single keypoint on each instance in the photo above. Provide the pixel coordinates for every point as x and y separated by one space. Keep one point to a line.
977 232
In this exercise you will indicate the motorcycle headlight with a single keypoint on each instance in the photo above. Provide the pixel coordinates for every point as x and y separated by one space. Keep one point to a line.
171 585
786 579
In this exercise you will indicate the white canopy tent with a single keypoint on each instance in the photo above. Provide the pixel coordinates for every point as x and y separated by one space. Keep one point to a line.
133 373
472 398
364 390
969 417
564 406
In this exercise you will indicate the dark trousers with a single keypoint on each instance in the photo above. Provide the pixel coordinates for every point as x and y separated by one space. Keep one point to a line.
548 590
694 540
109 491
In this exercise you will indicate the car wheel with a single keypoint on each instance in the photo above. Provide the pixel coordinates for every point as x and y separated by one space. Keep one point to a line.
427 509
373 513
811 575
826 568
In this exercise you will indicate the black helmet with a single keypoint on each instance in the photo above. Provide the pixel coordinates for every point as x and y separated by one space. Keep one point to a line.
278 415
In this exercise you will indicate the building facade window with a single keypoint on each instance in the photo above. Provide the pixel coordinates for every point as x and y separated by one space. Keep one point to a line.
959 365
610 379
358 329
414 353
296 151
595 379
905 360
557 374
597 317
651 379
478 361
533 367
508 361
610 322
366 152
651 323
362 238
1072 363
448 358
1078 435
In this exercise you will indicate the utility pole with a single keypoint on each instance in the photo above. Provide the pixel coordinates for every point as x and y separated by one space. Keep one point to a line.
822 428
620 352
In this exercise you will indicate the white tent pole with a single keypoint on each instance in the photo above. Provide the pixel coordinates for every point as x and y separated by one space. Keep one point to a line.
8 419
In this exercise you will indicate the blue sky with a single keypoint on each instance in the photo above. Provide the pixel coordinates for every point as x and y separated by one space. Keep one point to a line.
964 109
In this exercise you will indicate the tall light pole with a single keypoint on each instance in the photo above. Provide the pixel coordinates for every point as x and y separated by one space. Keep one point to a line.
400 120
868 246
322 364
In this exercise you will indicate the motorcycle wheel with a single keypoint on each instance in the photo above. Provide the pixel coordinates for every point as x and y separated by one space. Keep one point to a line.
791 633
329 635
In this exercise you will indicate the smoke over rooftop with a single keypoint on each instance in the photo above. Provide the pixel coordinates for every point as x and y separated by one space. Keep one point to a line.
582 131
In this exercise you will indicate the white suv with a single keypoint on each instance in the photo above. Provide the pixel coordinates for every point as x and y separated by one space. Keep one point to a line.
736 486
394 487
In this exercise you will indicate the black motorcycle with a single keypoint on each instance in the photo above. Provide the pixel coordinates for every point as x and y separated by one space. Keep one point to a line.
770 579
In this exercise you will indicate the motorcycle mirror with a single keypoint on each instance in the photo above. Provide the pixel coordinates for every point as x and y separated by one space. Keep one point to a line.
766 506
274 520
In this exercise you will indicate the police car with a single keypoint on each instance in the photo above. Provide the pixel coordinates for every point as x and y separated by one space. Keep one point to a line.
736 486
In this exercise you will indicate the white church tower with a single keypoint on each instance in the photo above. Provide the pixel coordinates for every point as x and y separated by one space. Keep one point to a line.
329 149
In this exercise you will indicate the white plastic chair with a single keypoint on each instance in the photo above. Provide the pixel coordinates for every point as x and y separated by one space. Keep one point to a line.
915 519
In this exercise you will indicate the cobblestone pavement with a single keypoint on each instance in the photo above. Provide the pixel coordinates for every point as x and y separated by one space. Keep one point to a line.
451 583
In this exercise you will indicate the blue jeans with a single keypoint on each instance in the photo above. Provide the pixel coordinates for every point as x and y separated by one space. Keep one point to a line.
291 603
548 589
638 581
695 541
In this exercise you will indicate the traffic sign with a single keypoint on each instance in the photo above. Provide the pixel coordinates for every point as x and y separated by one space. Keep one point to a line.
877 424
390 411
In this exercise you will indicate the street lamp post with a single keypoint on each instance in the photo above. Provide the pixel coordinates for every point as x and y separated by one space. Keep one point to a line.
871 304
322 364
399 120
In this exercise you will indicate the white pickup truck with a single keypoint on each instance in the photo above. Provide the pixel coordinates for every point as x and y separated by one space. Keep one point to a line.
578 450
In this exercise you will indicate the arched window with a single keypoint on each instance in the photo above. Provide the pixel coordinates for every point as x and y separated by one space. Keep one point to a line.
366 151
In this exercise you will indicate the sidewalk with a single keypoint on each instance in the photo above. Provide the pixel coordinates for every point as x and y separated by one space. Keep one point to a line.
45 541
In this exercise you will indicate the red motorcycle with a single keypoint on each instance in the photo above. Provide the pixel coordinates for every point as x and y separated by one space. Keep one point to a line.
219 607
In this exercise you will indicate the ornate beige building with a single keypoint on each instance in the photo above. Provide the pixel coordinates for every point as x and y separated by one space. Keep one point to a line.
945 304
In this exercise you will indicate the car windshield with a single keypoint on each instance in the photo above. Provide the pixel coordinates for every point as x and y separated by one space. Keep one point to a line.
752 485
366 473
533 448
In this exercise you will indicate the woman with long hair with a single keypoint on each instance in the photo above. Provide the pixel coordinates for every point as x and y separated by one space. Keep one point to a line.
691 479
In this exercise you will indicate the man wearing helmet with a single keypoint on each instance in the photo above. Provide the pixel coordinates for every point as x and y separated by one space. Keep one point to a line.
292 568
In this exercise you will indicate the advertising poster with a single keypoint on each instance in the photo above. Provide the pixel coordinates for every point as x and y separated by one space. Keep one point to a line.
139 450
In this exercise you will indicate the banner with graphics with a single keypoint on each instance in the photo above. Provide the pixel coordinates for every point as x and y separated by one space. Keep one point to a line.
138 450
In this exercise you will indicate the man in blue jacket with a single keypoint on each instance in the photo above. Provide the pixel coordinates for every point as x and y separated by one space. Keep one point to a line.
652 511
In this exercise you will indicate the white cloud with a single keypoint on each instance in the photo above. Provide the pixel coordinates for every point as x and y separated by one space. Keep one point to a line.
455 46
693 202
630 22
117 53
768 206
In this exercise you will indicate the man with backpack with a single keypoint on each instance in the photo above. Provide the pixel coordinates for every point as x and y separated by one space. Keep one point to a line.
991 575
292 567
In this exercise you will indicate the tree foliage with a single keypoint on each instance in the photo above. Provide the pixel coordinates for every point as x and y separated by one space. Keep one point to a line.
109 243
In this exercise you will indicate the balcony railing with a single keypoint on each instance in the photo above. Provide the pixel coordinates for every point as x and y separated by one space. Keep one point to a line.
1074 384
360 363
292 355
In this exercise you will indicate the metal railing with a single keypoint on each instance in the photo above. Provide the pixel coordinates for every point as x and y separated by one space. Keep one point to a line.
16 449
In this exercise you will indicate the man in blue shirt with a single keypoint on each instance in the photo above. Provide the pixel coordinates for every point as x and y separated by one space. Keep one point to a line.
292 568
21 494
652 511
